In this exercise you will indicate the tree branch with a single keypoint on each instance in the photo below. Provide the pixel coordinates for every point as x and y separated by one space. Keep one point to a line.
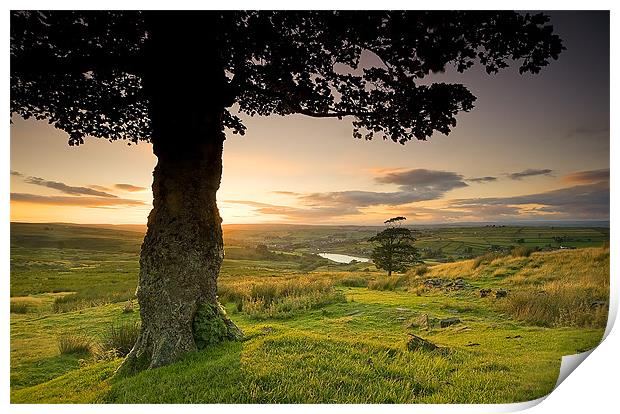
338 114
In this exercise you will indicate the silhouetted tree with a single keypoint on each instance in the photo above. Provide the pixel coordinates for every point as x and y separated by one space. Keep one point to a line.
171 78
395 251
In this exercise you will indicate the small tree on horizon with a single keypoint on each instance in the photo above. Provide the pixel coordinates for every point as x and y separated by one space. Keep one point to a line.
395 251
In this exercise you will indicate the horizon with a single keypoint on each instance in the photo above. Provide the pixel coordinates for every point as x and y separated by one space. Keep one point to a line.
525 223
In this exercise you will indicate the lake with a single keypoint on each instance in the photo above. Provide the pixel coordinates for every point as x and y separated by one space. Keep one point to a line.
342 258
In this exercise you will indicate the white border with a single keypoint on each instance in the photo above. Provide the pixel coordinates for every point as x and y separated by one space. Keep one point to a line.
593 385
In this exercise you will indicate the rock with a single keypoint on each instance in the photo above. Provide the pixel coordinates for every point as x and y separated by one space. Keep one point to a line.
354 313
444 323
501 293
416 343
485 292
455 284
403 309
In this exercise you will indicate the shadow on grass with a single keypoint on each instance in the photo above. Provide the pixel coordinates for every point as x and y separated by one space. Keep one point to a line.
210 375
42 370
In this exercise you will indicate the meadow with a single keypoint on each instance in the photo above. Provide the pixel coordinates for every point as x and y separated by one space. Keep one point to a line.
315 331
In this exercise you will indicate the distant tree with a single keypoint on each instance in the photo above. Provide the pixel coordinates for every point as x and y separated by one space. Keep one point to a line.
173 77
395 220
394 251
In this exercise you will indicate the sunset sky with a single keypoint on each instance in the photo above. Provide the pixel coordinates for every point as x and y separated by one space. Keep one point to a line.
535 147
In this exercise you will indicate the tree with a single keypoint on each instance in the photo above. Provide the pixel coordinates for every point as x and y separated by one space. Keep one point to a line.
177 79
394 251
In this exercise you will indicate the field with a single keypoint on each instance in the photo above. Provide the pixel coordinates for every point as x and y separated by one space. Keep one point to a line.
316 331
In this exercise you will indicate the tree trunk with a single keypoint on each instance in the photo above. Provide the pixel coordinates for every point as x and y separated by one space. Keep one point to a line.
183 248
180 258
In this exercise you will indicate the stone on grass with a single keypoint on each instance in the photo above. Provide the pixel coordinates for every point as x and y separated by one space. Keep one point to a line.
501 293
416 343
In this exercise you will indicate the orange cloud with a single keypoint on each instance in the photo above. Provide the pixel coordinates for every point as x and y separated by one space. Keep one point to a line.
73 201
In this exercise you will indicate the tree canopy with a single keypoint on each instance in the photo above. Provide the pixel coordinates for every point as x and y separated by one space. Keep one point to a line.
394 251
84 71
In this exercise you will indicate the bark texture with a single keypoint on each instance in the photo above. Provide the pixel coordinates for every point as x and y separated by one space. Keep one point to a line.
183 248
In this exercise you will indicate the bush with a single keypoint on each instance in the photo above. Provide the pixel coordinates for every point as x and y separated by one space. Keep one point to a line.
120 338
420 270
74 344
19 307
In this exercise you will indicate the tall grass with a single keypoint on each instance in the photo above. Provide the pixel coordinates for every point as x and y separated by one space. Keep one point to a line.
486 259
280 297
353 281
90 298
74 344
120 338
569 288
389 282
19 307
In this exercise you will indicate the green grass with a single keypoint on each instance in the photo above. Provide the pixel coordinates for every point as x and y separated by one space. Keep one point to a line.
324 357
313 350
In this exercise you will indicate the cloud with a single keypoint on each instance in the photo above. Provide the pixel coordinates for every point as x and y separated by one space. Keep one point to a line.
16 173
589 201
414 185
585 131
587 177
587 198
67 189
100 187
298 214
73 201
129 187
486 179
367 198
530 172
423 179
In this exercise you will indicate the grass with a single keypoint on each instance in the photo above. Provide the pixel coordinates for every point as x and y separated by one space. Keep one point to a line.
119 338
320 336
388 282
551 293
326 359
19 307
279 297
74 344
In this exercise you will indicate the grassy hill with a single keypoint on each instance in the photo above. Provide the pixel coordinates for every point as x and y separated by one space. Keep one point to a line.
336 334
